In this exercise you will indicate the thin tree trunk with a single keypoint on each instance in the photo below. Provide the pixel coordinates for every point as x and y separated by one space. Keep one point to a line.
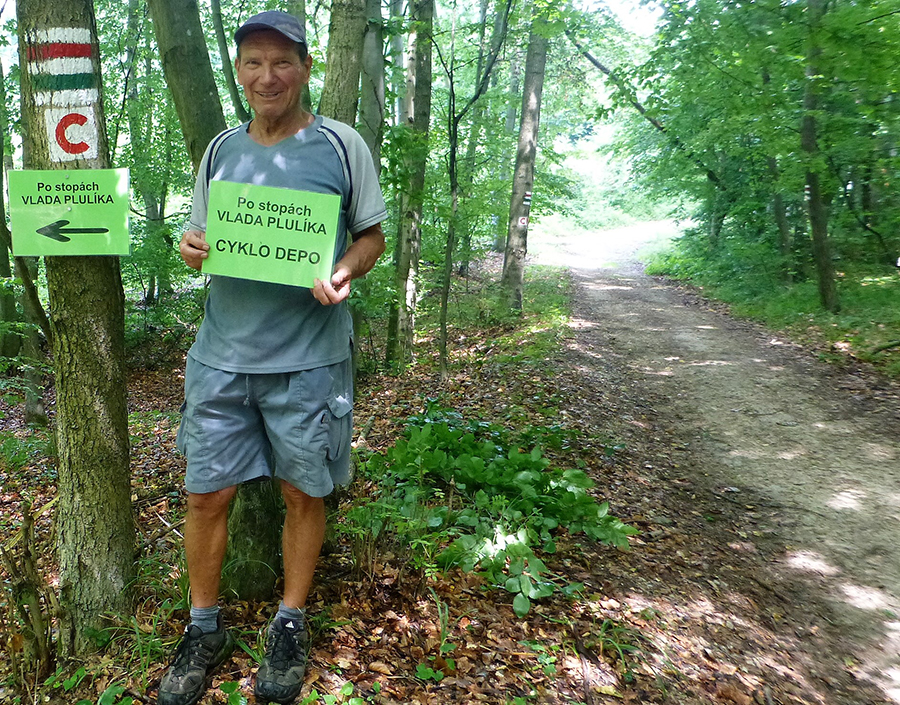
227 67
468 170
506 164
140 129
95 526
298 9
340 94
401 329
11 340
781 221
371 103
818 215
399 87
189 75
523 181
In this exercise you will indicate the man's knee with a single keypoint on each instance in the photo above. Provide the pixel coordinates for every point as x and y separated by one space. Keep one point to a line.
295 499
210 503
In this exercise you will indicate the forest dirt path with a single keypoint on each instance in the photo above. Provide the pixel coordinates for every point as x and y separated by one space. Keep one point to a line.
800 459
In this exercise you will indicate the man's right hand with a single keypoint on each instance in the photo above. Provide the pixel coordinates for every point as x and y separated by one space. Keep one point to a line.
193 248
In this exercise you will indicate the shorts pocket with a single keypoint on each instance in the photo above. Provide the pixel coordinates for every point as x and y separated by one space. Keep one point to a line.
340 426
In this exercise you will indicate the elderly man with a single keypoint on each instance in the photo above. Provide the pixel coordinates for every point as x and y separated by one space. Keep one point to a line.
268 383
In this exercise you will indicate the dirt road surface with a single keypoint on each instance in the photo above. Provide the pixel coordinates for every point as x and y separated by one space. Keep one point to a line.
804 459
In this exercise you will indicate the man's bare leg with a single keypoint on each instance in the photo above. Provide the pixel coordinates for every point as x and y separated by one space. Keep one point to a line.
304 532
205 540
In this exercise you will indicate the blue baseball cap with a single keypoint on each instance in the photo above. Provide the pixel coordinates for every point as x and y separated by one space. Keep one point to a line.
281 22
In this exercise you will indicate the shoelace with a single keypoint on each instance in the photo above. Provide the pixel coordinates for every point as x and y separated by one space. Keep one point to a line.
191 651
283 649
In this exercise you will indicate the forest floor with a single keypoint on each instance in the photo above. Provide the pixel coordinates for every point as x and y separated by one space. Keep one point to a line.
765 484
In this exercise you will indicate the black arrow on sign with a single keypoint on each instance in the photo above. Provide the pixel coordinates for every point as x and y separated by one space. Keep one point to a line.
55 231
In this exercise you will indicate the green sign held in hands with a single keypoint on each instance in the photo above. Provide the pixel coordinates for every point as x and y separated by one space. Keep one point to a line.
271 234
74 212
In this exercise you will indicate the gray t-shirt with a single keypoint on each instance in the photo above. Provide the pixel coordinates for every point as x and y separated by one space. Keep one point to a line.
258 327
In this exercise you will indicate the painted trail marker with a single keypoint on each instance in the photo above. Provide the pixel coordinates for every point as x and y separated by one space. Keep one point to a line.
271 234
72 212
67 88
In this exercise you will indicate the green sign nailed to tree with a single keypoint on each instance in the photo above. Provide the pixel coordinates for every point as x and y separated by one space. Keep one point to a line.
69 212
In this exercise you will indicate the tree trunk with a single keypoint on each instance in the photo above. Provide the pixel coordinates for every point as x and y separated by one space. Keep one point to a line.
140 130
781 221
399 86
298 9
523 180
371 103
401 327
468 170
189 76
818 215
251 566
227 67
95 526
340 93
10 339
502 226
185 60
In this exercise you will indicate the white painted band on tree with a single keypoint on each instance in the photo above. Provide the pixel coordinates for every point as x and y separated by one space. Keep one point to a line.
81 35
65 66
83 96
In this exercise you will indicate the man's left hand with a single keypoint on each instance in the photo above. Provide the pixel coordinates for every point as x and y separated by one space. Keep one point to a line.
334 291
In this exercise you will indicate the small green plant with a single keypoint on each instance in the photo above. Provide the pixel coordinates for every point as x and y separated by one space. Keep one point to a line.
424 671
344 697
233 690
111 696
59 679
546 655
618 640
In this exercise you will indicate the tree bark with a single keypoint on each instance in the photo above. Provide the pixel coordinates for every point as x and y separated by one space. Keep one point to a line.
401 328
523 179
397 50
11 339
185 60
140 131
371 103
509 126
298 9
340 93
95 526
818 214
781 221
227 67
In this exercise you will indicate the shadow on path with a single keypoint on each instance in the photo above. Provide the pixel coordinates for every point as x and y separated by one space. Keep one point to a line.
771 498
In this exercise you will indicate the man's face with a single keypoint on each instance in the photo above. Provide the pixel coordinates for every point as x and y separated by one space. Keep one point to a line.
272 74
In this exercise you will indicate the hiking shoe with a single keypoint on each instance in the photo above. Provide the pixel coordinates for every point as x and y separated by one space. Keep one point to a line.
197 655
280 677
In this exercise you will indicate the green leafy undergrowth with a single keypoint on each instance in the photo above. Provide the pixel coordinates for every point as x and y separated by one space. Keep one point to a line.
456 493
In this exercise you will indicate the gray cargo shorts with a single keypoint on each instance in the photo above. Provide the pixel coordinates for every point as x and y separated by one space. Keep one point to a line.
238 427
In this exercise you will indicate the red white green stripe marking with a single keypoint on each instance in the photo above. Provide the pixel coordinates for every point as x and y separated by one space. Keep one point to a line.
61 70
66 86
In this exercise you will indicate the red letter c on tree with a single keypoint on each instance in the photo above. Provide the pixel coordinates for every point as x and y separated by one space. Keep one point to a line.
63 141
